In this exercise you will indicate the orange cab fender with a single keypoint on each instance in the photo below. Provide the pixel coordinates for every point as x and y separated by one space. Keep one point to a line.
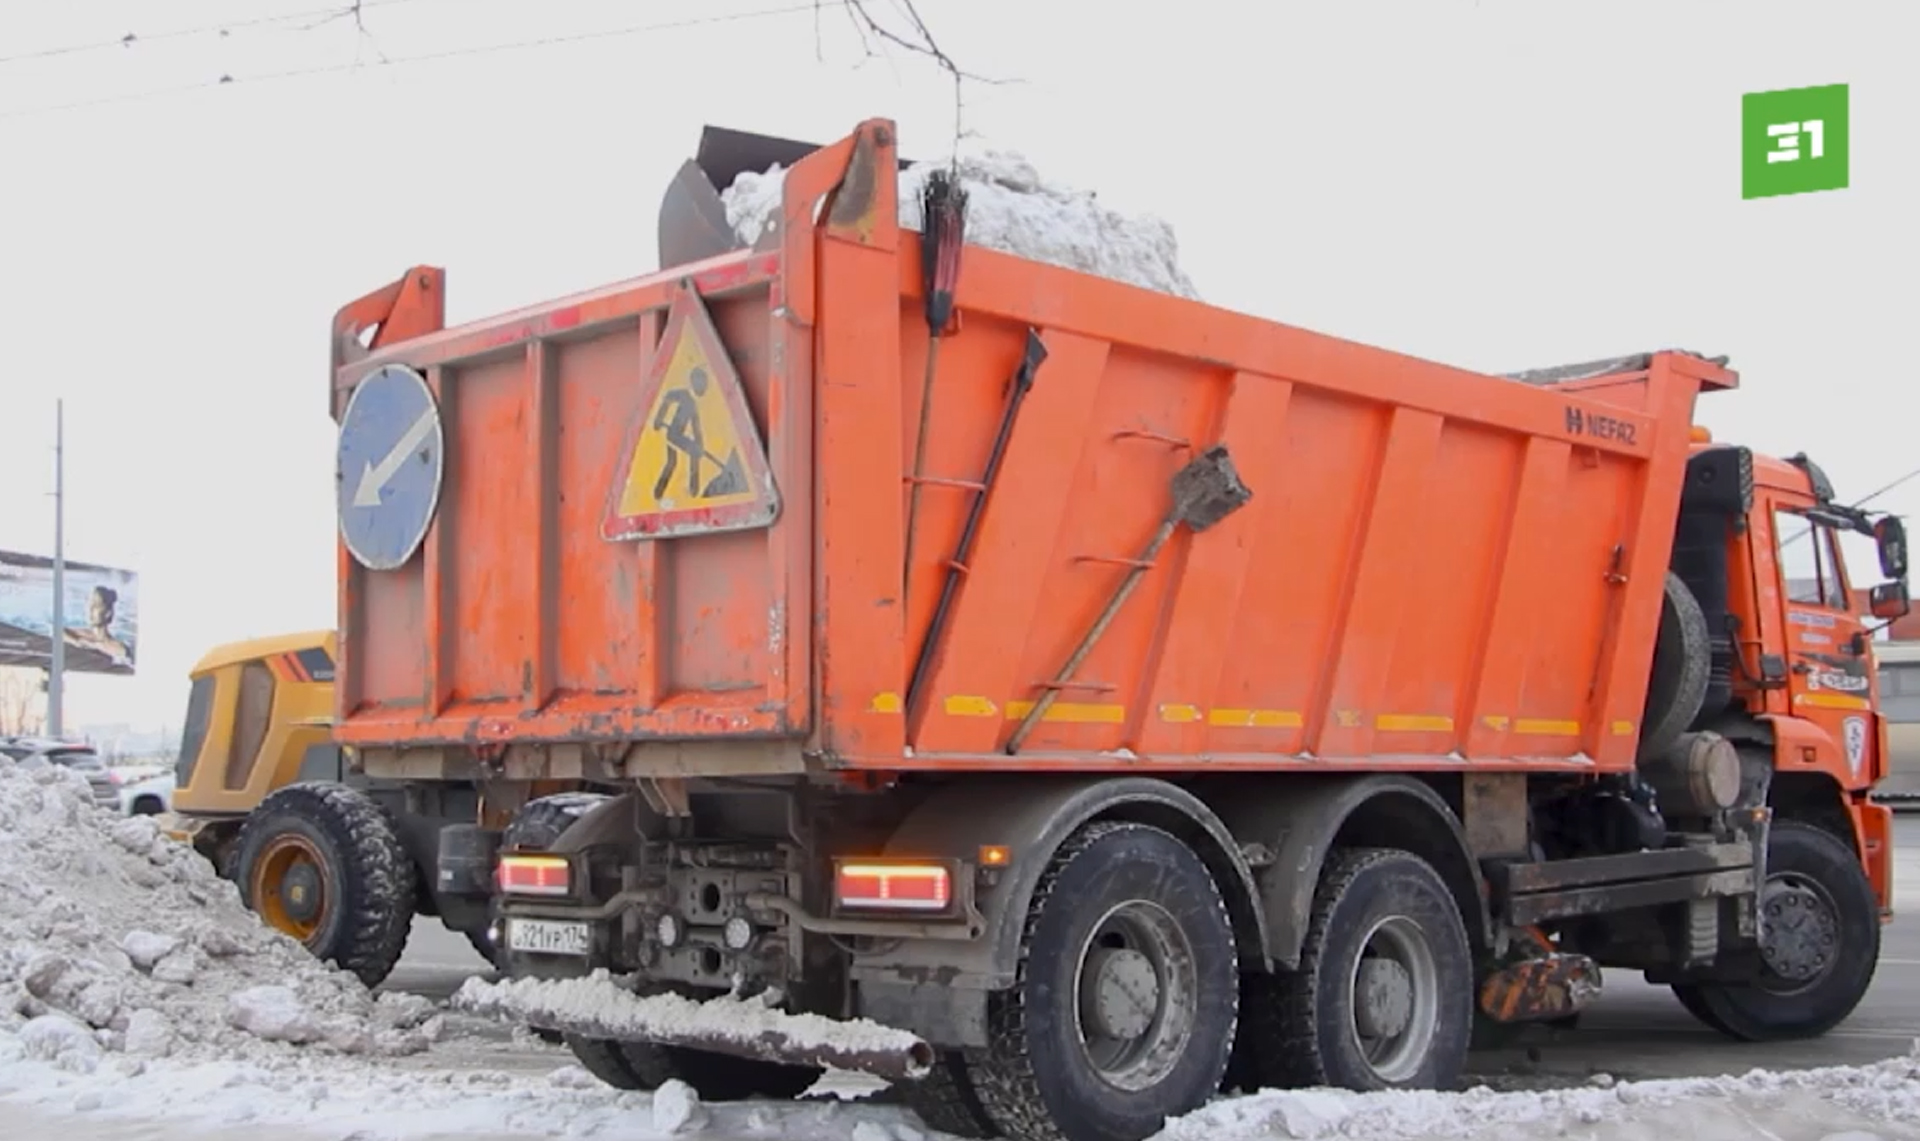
1031 816
1299 819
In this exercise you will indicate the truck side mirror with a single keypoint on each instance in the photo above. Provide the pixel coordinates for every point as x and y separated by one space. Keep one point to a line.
1889 601
1890 535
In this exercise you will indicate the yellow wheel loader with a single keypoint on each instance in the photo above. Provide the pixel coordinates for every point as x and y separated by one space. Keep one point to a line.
332 858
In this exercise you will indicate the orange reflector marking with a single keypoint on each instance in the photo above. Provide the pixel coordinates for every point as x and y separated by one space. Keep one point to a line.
995 856
893 887
533 875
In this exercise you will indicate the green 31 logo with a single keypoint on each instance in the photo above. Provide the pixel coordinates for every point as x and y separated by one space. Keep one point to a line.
1793 141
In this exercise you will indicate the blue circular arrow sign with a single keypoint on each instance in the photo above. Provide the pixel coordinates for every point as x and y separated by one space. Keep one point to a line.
390 462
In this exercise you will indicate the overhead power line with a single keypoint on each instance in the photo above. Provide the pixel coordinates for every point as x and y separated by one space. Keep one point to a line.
312 17
229 80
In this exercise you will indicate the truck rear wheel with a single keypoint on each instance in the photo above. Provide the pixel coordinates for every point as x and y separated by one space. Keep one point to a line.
321 863
1819 947
1383 997
945 1100
1122 1013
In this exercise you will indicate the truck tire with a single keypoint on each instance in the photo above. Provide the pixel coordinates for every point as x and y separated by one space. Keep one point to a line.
1123 910
945 1100
1820 944
1682 665
322 863
539 823
1303 1027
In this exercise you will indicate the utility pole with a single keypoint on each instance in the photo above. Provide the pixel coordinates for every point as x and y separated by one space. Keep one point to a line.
57 635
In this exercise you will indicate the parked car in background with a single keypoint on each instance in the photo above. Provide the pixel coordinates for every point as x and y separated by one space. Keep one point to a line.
80 758
145 791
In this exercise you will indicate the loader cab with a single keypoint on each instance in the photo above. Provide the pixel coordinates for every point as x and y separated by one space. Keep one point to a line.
258 717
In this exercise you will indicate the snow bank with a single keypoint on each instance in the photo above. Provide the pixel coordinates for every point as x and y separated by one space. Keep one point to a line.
1880 1101
117 940
295 1095
1010 208
615 1011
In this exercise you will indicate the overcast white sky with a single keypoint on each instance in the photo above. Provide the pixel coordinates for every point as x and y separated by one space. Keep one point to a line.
1496 184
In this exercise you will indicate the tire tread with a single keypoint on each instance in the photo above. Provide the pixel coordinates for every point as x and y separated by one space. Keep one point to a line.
1004 1077
376 885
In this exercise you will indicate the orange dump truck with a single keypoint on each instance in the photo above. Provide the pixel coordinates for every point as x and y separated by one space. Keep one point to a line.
1210 703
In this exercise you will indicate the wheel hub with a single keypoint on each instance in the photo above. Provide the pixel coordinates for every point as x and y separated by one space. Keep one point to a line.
1802 933
1123 991
300 893
1383 994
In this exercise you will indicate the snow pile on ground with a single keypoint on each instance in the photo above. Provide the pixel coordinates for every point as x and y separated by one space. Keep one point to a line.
296 1096
115 939
612 1010
1010 208
1876 1101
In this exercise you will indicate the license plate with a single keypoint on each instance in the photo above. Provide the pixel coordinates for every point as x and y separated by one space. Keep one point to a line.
548 937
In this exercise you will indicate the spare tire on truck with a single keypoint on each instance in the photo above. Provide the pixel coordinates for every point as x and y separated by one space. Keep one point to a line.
1682 664
321 862
643 1066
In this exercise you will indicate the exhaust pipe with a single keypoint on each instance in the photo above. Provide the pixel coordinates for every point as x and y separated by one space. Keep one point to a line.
597 1007
693 220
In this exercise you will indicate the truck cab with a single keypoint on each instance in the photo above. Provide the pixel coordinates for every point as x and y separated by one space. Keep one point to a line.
1791 676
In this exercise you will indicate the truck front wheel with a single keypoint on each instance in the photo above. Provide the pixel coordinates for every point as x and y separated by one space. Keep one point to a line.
1122 1013
1820 943
1383 997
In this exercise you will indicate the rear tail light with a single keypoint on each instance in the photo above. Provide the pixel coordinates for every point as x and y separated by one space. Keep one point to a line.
873 885
533 875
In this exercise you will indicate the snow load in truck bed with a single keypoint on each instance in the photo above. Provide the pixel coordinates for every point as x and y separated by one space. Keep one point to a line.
1012 209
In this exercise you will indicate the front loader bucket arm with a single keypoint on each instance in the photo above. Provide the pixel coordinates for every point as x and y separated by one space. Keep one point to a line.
693 220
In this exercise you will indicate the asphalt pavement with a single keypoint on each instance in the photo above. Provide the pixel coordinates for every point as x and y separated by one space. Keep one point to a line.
1634 1031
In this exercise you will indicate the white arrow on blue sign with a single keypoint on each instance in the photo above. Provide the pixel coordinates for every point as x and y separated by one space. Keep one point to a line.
390 462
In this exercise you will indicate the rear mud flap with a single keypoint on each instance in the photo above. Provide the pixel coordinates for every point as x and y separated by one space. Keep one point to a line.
599 1006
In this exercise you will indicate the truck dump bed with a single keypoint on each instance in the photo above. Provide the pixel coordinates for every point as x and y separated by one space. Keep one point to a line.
675 509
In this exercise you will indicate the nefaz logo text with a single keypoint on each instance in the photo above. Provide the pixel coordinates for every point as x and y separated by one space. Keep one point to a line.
1599 427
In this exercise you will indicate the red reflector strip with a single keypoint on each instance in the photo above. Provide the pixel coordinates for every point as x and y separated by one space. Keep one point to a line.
894 887
532 875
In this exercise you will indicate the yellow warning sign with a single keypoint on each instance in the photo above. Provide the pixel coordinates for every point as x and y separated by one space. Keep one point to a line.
695 462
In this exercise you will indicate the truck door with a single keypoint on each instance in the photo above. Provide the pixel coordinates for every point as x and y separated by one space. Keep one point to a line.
1829 666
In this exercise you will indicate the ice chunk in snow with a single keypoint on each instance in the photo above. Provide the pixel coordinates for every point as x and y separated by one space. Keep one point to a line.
677 1108
62 1041
149 1033
272 1012
146 948
1010 208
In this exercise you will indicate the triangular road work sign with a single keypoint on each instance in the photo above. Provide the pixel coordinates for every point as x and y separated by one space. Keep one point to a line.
694 460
